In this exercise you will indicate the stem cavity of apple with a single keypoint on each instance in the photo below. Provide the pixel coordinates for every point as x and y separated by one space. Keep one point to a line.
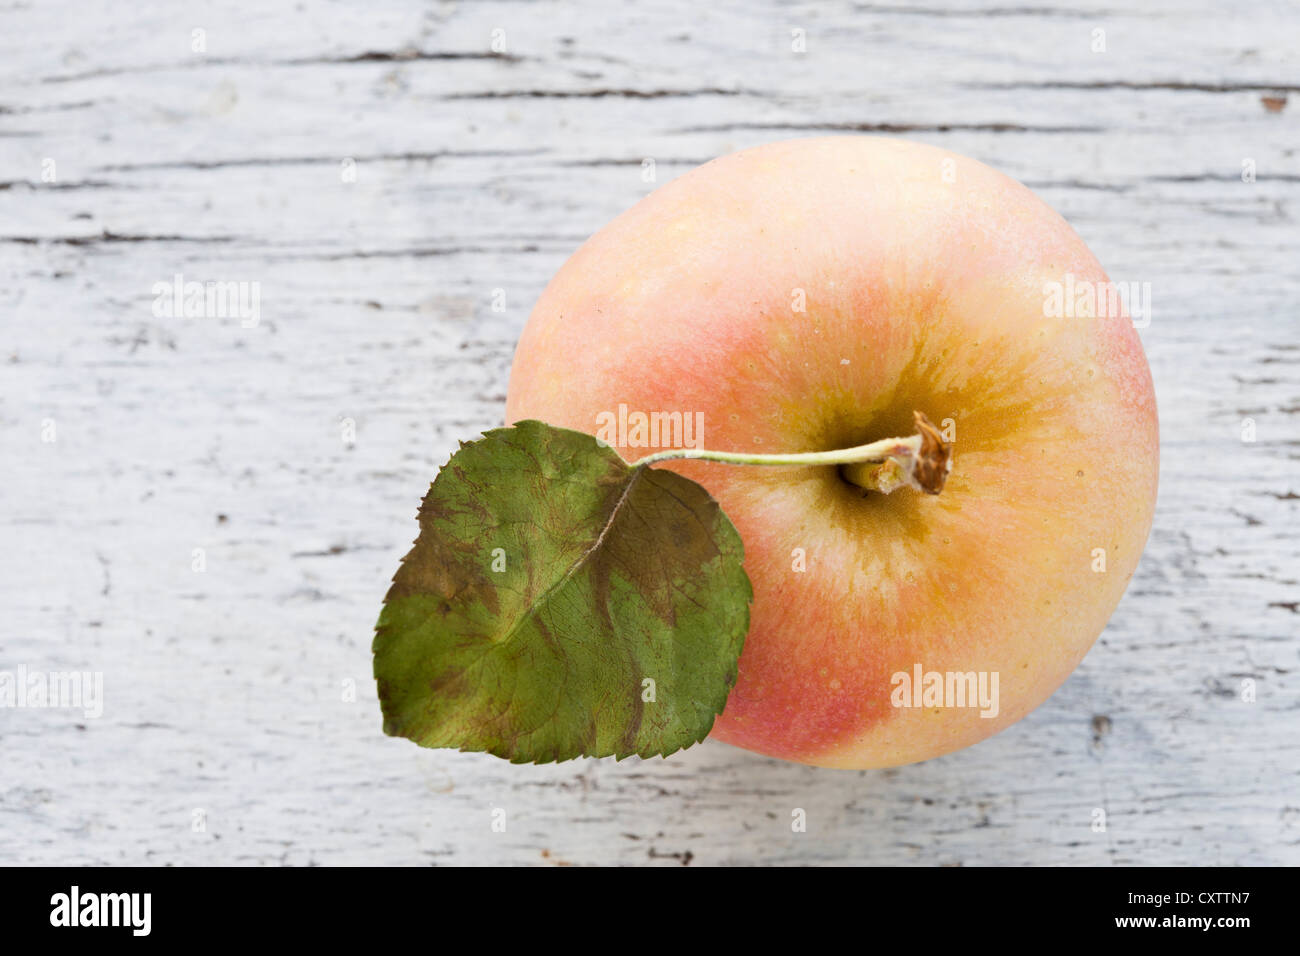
921 461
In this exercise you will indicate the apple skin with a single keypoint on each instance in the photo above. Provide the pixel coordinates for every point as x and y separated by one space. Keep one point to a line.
923 275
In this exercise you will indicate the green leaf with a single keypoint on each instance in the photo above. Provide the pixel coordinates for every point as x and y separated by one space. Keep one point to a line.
550 581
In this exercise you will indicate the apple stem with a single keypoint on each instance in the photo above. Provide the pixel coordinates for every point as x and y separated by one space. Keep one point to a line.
921 461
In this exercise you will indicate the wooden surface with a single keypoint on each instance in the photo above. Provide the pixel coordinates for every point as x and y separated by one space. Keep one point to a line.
225 691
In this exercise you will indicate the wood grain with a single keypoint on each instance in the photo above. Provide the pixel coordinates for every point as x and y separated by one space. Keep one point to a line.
226 690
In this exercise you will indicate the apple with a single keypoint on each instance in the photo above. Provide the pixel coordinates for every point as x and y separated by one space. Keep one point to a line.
815 294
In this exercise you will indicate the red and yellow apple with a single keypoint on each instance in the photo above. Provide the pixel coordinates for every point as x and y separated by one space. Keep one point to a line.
813 294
